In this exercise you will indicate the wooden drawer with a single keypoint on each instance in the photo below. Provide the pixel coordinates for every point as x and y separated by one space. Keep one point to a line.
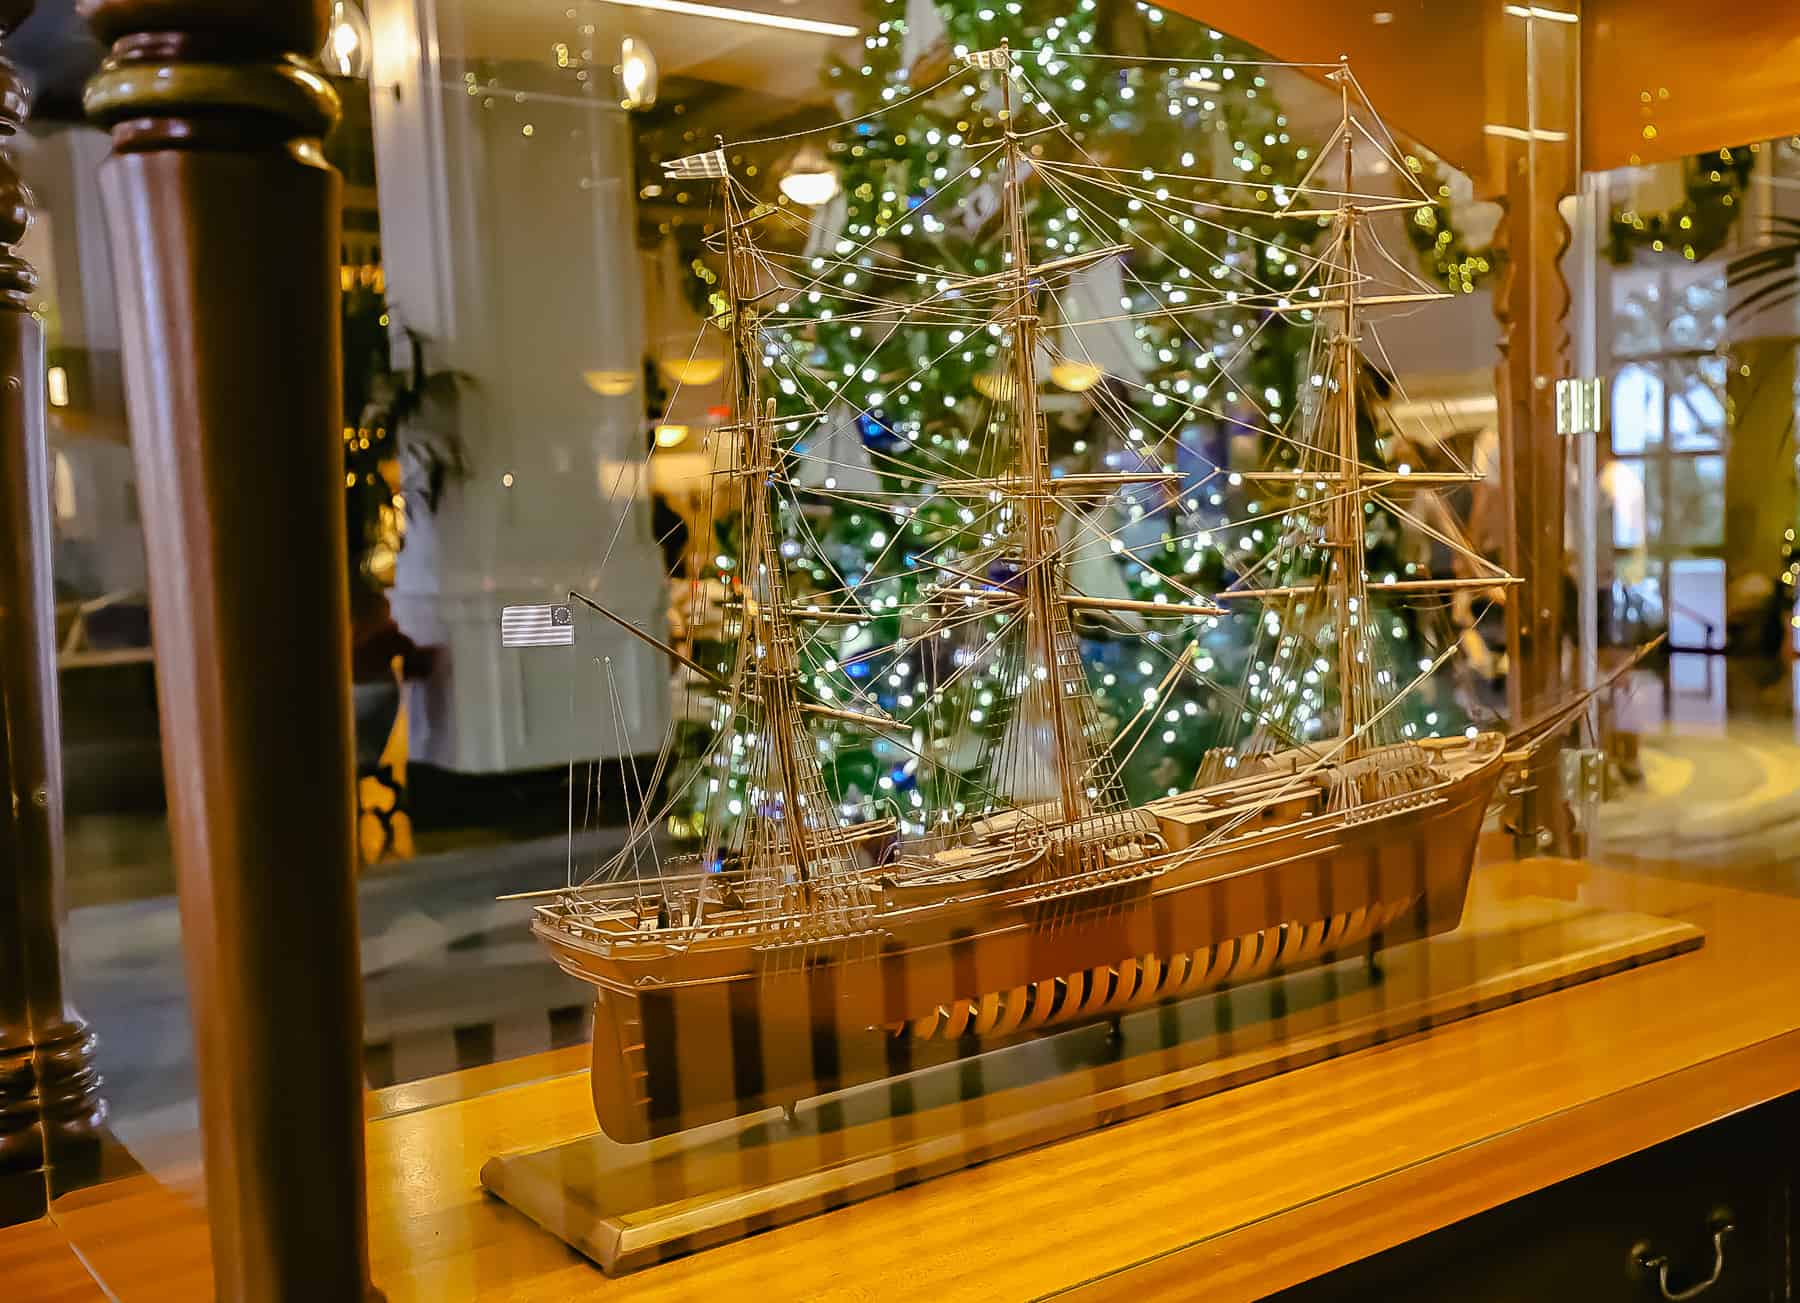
1587 1239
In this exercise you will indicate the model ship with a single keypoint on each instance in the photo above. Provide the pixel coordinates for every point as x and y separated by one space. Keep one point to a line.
810 952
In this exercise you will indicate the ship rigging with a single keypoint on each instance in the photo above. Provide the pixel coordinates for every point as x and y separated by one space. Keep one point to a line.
806 938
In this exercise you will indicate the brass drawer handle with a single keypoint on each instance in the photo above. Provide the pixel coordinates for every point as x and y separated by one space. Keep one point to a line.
1643 1261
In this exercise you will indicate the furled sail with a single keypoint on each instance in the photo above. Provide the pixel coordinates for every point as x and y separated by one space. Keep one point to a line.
1092 566
830 454
1092 336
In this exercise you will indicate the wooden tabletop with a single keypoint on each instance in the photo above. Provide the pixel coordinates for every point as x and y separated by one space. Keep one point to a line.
1251 1190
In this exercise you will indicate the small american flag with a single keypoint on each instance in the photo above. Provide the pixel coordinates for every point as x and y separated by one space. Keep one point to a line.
537 626
996 58
711 163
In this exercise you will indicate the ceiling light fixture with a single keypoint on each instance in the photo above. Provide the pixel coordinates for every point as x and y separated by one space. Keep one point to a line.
753 17
637 74
810 180
696 371
1076 377
610 384
346 52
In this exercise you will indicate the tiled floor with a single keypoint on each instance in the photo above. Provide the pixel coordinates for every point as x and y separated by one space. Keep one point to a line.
1723 805
1719 797
451 976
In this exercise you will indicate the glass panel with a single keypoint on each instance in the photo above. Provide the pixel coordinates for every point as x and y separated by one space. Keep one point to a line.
1637 407
542 344
1637 319
1697 310
1697 406
1701 276
1697 688
123 964
1697 602
1689 511
1662 307
1635 613
1622 501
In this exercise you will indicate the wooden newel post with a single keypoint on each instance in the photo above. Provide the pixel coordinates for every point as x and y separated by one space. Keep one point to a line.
48 1085
223 218
1532 168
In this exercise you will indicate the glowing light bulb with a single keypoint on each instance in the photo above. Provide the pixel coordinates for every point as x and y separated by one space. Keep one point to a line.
637 74
346 52
811 182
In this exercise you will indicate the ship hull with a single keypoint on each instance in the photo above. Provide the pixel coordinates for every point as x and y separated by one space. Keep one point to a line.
944 981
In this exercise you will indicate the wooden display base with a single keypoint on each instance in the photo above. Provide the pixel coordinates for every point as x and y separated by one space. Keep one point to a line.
628 1206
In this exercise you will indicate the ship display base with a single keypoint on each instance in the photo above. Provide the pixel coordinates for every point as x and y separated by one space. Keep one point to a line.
629 1206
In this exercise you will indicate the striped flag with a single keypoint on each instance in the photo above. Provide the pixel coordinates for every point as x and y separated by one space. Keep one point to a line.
711 163
996 58
537 626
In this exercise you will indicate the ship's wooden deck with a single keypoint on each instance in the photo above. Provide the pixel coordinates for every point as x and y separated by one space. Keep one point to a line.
1249 1190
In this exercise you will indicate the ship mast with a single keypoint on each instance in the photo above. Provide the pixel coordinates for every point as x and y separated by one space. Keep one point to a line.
1053 656
1349 481
768 656
1348 543
1040 543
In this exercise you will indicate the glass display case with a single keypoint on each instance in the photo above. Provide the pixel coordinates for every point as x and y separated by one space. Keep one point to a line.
1086 621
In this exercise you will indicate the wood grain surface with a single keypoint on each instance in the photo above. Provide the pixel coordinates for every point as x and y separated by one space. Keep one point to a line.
1394 1142
37 1263
630 1207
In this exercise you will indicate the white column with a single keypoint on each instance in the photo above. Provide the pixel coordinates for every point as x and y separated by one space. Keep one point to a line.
508 235
99 543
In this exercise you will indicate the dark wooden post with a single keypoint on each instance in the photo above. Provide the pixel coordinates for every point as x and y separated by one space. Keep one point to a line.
224 230
1531 79
48 1086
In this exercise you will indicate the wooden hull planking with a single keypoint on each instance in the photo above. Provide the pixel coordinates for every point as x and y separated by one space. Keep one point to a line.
945 980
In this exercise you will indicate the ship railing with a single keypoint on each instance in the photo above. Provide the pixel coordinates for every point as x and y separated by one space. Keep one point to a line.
685 935
842 911
1070 889
1106 827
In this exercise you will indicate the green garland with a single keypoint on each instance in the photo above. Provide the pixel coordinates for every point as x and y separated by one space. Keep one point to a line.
1713 185
1701 223
1446 255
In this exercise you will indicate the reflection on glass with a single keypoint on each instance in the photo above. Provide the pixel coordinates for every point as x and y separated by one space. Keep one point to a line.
1687 502
1636 328
1696 693
1659 307
1689 405
1637 408
1622 498
544 259
1697 602
1697 313
1636 606
1697 406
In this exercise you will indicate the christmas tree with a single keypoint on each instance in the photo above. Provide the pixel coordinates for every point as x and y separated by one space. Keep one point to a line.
1143 95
